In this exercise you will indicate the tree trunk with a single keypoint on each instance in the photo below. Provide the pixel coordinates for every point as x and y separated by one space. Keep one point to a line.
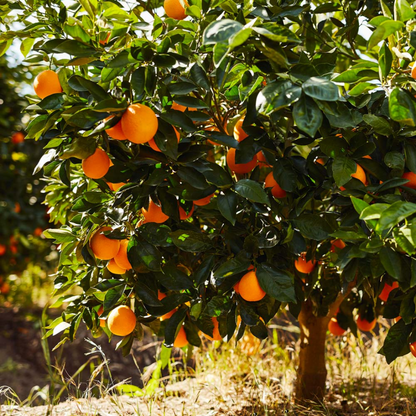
311 373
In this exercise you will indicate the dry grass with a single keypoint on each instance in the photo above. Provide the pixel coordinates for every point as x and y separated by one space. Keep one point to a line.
225 381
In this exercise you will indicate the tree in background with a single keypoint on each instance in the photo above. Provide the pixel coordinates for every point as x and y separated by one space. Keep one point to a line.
22 215
209 172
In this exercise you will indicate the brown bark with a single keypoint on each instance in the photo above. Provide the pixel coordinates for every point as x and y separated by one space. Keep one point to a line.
311 373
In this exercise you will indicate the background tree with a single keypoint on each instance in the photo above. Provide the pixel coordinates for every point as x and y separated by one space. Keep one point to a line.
22 216
277 175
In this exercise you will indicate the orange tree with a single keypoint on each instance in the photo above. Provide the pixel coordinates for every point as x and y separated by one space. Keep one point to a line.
22 216
214 170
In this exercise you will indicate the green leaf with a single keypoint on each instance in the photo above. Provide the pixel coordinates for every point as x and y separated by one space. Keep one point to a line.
313 226
26 46
410 156
373 212
379 124
307 115
251 190
342 169
285 175
321 89
227 205
191 241
403 11
396 342
113 296
60 235
276 32
361 88
402 107
385 59
277 95
359 204
144 256
394 214
199 76
391 262
383 31
278 284
232 266
79 83
220 31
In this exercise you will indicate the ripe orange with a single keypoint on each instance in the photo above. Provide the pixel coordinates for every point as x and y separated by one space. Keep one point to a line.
261 160
115 186
121 321
121 258
179 107
304 266
116 132
364 325
216 336
96 166
413 73
183 215
155 147
154 213
114 268
18 137
320 161
5 288
384 295
99 313
237 287
277 191
397 319
413 345
337 244
103 247
181 339
175 8
3 249
17 208
160 296
238 132
334 327
203 201
410 176
359 174
250 289
37 232
239 167
139 123
47 83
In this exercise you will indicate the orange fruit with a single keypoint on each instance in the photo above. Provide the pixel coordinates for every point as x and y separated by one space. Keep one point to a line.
261 160
413 73
114 268
364 325
121 258
237 287
397 319
304 266
47 83
17 208
216 336
97 165
37 232
384 295
18 137
183 215
179 107
239 167
105 41
181 340
5 288
139 123
413 345
203 201
175 8
334 328
116 132
238 132
99 313
3 249
410 176
155 147
320 161
250 289
121 321
337 244
160 296
154 213
359 174
277 191
115 186
103 247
